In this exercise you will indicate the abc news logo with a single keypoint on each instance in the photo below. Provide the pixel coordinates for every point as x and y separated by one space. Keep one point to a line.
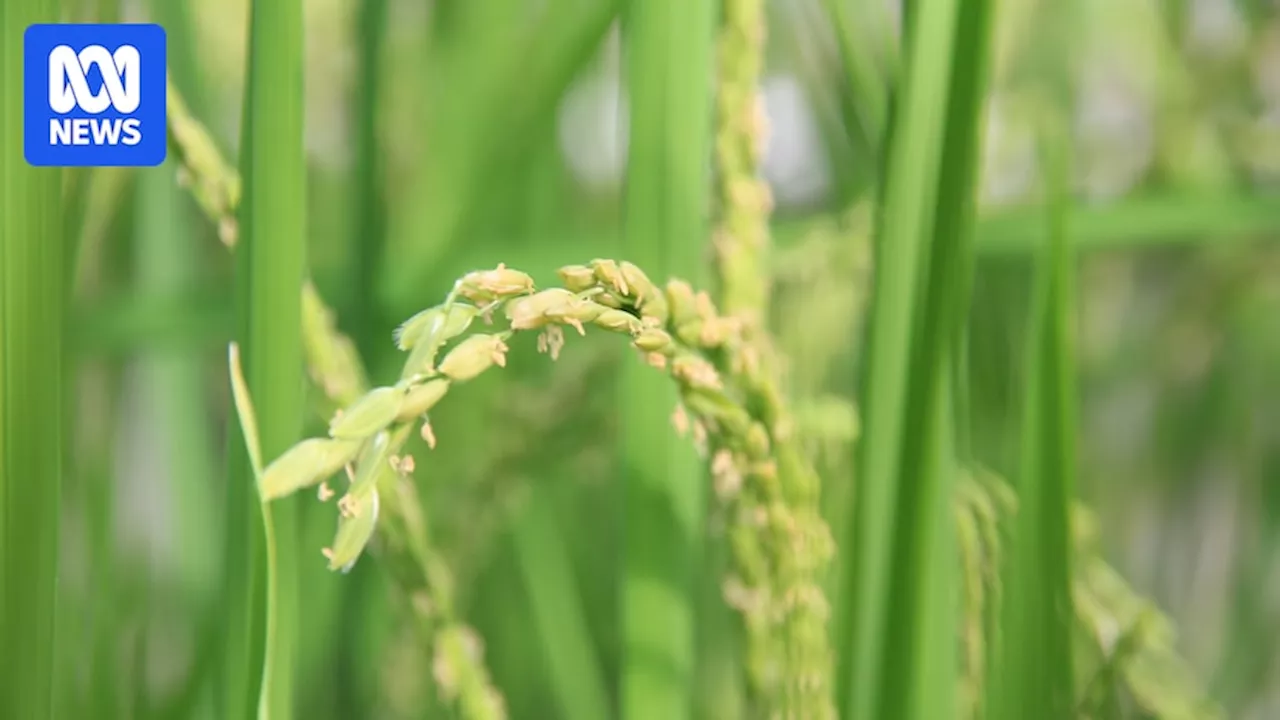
94 95
69 89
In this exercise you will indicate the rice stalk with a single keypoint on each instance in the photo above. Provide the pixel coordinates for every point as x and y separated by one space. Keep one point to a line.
1134 640
270 268
668 54
420 578
776 588
896 585
211 180
676 331
1036 649
33 288
368 231
334 366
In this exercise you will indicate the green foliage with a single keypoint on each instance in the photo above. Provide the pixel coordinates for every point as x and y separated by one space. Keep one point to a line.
669 64
919 329
33 391
895 580
262 645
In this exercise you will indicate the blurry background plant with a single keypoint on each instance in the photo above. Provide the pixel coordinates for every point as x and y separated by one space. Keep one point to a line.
560 545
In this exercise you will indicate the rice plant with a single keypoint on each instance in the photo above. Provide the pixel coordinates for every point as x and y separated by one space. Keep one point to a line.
796 359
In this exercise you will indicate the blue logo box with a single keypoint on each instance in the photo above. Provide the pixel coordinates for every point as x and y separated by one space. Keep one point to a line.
94 95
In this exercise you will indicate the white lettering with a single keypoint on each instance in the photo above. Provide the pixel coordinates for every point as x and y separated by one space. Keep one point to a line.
132 131
105 131
95 131
80 131
59 132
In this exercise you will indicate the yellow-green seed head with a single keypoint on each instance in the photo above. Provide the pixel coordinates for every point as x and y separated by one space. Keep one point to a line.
609 300
307 463
576 311
682 302
650 300
690 333
473 356
368 415
371 461
610 275
639 283
714 406
695 372
406 335
501 282
527 313
757 441
422 398
654 340
427 331
577 278
355 528
617 321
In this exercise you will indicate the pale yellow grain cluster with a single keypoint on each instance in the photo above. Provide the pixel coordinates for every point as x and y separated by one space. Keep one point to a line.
780 545
780 542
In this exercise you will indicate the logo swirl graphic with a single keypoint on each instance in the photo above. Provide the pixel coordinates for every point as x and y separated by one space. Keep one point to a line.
69 86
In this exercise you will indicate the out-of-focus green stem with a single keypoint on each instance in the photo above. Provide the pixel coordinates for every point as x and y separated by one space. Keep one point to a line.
899 590
669 46
168 260
509 97
863 600
33 288
570 656
1035 662
369 231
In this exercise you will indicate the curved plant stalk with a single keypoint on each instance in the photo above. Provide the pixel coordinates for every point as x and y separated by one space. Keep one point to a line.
788 654
420 577
335 367
213 182
680 333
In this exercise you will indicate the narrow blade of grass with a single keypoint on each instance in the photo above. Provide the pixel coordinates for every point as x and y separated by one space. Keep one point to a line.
1145 220
1034 663
270 269
33 286
572 668
910 180
669 45
897 592
369 231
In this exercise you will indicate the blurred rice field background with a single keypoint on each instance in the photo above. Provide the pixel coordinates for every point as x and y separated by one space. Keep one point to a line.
1023 302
